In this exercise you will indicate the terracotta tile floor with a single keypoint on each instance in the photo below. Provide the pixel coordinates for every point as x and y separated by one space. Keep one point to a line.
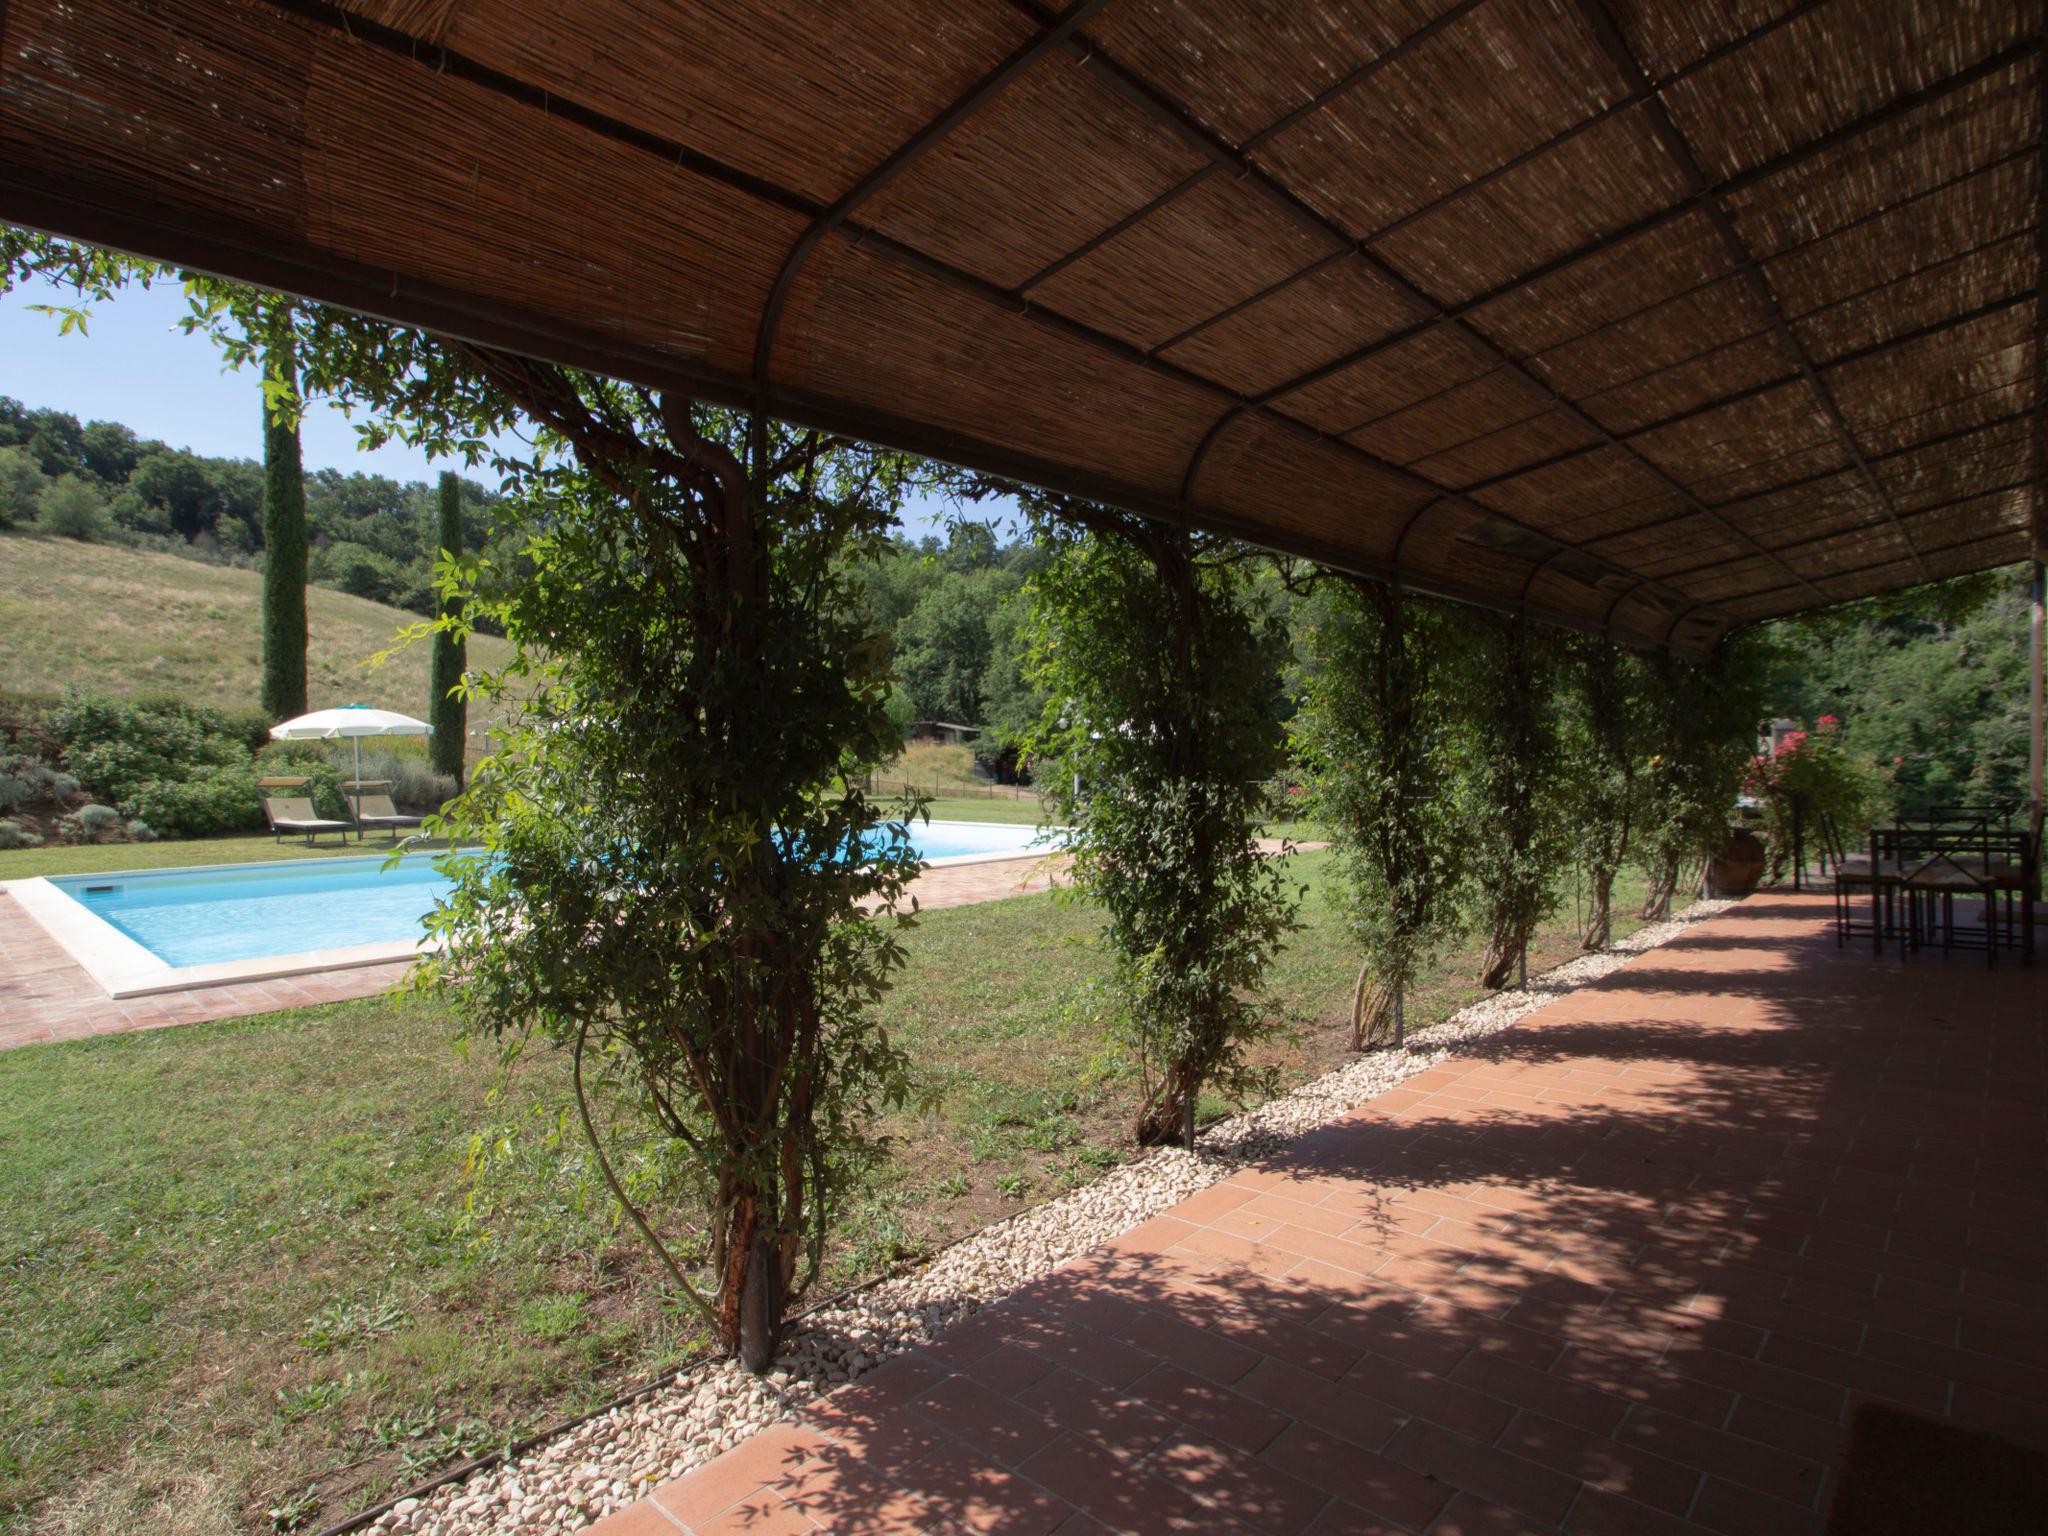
46 996
1627 1268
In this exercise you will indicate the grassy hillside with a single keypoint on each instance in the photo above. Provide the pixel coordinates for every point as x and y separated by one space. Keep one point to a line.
127 621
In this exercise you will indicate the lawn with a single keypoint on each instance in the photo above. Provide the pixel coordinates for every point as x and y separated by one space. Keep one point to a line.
94 858
252 1264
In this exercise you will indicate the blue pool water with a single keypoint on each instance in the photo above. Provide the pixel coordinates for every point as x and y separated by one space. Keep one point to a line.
253 911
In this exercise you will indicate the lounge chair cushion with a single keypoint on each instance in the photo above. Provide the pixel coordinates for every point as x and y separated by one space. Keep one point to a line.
380 811
298 815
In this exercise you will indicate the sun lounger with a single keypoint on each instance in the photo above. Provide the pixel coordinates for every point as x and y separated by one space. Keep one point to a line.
295 817
380 811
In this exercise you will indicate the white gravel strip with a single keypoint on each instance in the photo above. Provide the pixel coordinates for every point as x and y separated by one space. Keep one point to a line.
607 1463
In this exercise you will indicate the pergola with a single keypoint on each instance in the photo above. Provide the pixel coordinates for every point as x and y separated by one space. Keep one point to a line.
1652 319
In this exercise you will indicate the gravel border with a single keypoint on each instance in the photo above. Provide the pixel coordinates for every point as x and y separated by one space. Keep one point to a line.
607 1462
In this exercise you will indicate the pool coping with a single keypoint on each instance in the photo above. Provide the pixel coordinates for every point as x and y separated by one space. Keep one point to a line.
123 968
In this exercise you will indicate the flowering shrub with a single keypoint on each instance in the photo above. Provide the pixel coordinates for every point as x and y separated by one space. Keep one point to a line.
1831 788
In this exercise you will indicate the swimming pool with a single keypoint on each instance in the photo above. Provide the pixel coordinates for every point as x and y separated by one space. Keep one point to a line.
350 910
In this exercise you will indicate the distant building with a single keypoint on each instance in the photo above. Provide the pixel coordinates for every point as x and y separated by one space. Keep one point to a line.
946 732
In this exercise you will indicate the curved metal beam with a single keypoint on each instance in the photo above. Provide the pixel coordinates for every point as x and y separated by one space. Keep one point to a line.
1672 628
1607 619
1216 428
1408 527
1529 581
900 160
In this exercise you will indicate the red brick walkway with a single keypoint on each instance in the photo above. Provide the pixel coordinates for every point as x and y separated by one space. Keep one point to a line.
1628 1268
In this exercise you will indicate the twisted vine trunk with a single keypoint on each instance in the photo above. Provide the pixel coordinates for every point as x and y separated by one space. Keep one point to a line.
1168 1116
1663 886
1600 919
1376 1013
1505 949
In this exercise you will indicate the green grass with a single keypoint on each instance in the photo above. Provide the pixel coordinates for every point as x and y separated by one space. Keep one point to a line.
130 621
246 1263
1020 812
95 858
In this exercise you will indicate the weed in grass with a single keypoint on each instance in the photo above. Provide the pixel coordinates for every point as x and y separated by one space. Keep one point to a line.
876 1239
1050 1134
1012 1186
313 1398
953 1186
456 1442
395 1429
341 1323
553 1317
294 1514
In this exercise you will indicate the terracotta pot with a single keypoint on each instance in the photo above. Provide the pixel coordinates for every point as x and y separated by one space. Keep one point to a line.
1738 865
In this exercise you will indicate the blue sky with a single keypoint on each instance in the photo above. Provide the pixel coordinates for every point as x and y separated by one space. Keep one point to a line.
133 365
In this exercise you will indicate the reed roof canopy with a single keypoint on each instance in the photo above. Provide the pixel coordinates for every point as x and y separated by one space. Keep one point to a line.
1651 317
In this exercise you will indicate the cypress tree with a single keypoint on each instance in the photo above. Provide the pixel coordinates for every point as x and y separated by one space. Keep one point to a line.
450 713
284 535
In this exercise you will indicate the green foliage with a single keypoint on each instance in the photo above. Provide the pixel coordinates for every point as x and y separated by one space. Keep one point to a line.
88 824
361 572
1151 654
1814 776
943 649
1516 795
284 531
1381 739
21 487
72 508
1701 721
1932 685
1603 723
117 746
185 769
448 709
675 848
902 715
26 779
14 835
957 612
205 802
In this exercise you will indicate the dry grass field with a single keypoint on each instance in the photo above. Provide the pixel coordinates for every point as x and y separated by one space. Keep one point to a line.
127 621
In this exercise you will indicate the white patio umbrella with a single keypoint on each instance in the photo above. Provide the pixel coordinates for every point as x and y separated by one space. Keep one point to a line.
354 721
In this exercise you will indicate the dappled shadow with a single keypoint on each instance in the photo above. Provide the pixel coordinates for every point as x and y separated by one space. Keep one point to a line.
1635 1260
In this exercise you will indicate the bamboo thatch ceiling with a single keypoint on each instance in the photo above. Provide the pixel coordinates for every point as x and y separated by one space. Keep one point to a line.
1657 316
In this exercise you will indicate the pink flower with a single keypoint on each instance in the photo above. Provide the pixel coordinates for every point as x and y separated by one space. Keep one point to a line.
1792 742
1827 722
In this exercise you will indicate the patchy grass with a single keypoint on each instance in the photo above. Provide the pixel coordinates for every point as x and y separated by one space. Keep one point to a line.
132 621
247 1267
962 808
242 1266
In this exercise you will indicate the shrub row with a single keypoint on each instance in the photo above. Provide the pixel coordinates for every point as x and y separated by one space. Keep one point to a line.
190 770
